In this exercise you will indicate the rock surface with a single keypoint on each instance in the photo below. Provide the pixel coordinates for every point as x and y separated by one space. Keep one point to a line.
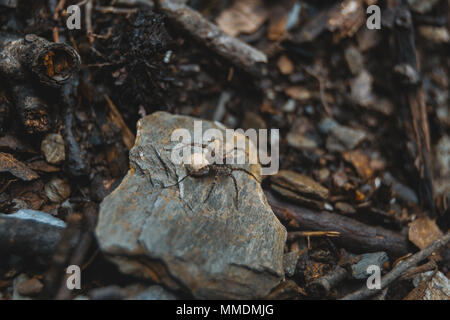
290 263
436 288
209 249
31 234
359 269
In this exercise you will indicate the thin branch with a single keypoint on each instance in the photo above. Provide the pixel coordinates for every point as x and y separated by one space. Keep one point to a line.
400 269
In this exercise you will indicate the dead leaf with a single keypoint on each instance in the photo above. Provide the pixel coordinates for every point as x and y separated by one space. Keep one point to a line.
277 23
423 232
244 16
17 168
360 162
33 200
346 20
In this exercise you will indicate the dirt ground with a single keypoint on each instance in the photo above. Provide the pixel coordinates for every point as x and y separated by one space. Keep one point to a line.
363 115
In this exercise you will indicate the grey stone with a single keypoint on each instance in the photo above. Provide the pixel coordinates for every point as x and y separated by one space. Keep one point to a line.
289 106
354 59
16 283
31 234
350 138
361 89
341 138
401 191
327 124
300 142
290 260
211 249
359 269
37 216
438 287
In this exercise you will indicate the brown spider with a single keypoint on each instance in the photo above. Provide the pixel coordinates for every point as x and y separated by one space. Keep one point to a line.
199 166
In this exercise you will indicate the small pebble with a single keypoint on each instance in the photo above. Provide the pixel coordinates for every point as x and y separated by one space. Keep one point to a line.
53 148
30 288
354 60
289 106
57 190
345 208
290 260
359 269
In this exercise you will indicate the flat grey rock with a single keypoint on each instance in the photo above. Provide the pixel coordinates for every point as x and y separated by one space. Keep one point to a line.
209 249
37 216
359 269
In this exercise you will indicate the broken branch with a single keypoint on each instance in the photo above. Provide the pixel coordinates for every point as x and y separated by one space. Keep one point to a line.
353 234
400 269
237 52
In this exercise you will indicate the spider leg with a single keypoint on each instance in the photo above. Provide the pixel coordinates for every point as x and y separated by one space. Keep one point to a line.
192 144
236 188
232 151
213 184
246 171
173 185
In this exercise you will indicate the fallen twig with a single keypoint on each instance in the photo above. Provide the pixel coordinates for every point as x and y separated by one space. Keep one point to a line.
354 235
84 244
400 269
51 63
62 253
322 286
77 163
88 20
297 234
127 136
239 53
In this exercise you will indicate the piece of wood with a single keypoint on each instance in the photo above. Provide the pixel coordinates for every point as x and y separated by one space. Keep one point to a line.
407 70
400 269
353 234
127 136
237 52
